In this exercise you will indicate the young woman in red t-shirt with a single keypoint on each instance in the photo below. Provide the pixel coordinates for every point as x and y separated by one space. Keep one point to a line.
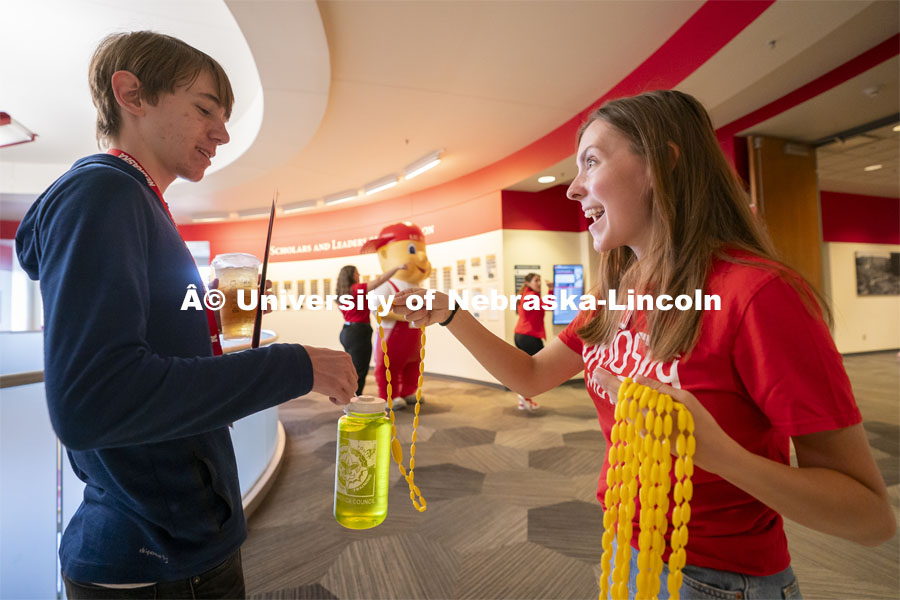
356 334
671 217
529 332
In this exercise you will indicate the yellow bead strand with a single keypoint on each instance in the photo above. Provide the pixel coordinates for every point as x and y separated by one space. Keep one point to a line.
415 494
640 463
609 517
685 446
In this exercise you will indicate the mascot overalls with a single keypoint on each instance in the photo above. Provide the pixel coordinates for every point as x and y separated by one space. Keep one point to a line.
399 244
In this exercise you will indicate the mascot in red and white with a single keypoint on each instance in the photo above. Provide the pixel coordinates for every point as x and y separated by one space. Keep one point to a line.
396 245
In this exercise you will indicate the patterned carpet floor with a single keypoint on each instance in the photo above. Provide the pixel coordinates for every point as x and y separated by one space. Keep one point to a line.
512 511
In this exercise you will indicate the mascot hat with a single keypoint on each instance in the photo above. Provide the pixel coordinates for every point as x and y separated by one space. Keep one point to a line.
394 233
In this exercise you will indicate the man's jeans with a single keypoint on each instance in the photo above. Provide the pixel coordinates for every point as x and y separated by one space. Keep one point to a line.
223 581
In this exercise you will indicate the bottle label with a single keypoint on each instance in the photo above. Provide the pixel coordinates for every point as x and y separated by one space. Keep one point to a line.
356 471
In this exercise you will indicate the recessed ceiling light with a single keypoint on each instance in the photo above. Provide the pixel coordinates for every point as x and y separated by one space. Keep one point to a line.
546 179
423 164
254 212
381 184
873 167
213 217
298 206
872 91
345 196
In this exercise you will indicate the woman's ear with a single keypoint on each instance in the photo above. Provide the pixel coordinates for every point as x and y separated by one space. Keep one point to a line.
674 153
127 90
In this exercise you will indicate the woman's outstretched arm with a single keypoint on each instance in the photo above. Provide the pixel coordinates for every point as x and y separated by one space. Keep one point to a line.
371 285
525 375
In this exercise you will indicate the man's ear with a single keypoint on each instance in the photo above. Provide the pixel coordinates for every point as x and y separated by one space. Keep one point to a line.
127 90
674 153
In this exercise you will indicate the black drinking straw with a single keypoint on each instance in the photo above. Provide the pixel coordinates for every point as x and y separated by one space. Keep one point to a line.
257 325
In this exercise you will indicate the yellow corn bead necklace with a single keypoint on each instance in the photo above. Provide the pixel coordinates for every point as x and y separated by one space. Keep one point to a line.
640 461
415 495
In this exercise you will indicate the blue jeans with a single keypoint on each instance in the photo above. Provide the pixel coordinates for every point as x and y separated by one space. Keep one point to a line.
223 581
701 583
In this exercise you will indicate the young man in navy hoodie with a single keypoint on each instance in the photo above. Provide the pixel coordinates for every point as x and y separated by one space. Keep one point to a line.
136 389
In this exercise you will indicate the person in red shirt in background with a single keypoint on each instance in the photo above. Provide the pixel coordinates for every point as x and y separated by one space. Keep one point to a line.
669 217
356 335
529 332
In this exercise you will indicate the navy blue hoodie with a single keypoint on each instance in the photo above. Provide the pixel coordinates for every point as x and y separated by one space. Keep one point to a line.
133 389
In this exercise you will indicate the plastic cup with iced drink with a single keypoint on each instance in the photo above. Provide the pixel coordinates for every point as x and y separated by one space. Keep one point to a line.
237 271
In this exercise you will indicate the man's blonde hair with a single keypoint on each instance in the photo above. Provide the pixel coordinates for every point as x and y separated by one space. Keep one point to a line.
161 62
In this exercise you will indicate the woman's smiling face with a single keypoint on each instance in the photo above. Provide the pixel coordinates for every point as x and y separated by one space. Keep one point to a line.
613 188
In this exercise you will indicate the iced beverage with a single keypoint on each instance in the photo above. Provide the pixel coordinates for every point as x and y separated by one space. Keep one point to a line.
237 271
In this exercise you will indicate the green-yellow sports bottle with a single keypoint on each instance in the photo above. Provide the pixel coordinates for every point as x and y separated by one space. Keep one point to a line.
362 465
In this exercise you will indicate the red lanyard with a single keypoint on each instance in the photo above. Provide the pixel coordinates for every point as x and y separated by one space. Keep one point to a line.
210 317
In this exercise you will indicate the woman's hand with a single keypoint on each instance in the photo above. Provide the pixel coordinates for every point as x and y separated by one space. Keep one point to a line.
714 447
438 301
391 272
837 487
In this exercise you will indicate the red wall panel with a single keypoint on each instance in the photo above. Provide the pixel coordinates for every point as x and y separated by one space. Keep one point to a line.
8 229
860 219
548 210
342 232
6 258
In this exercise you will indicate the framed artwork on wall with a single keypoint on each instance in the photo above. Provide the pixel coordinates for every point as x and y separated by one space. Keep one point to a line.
877 273
446 272
490 265
476 268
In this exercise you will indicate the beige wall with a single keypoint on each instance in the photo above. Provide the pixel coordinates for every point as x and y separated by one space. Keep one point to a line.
443 354
861 323
544 248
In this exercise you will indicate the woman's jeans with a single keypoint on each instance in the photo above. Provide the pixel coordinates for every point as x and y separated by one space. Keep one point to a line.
223 581
703 583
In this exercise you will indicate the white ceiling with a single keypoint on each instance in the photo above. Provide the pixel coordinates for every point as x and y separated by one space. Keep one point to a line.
46 89
842 164
335 94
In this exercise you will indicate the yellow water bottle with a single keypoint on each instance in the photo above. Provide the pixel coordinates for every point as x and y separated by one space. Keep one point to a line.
362 465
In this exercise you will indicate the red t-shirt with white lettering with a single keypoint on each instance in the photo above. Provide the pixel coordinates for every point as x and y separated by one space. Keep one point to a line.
354 315
531 321
767 369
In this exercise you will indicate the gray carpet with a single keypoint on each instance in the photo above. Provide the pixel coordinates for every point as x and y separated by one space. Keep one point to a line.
512 511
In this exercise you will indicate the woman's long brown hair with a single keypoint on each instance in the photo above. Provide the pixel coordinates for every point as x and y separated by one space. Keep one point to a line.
528 279
699 212
345 280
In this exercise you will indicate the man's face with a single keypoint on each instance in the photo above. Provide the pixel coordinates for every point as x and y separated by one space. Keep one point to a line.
409 253
184 129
